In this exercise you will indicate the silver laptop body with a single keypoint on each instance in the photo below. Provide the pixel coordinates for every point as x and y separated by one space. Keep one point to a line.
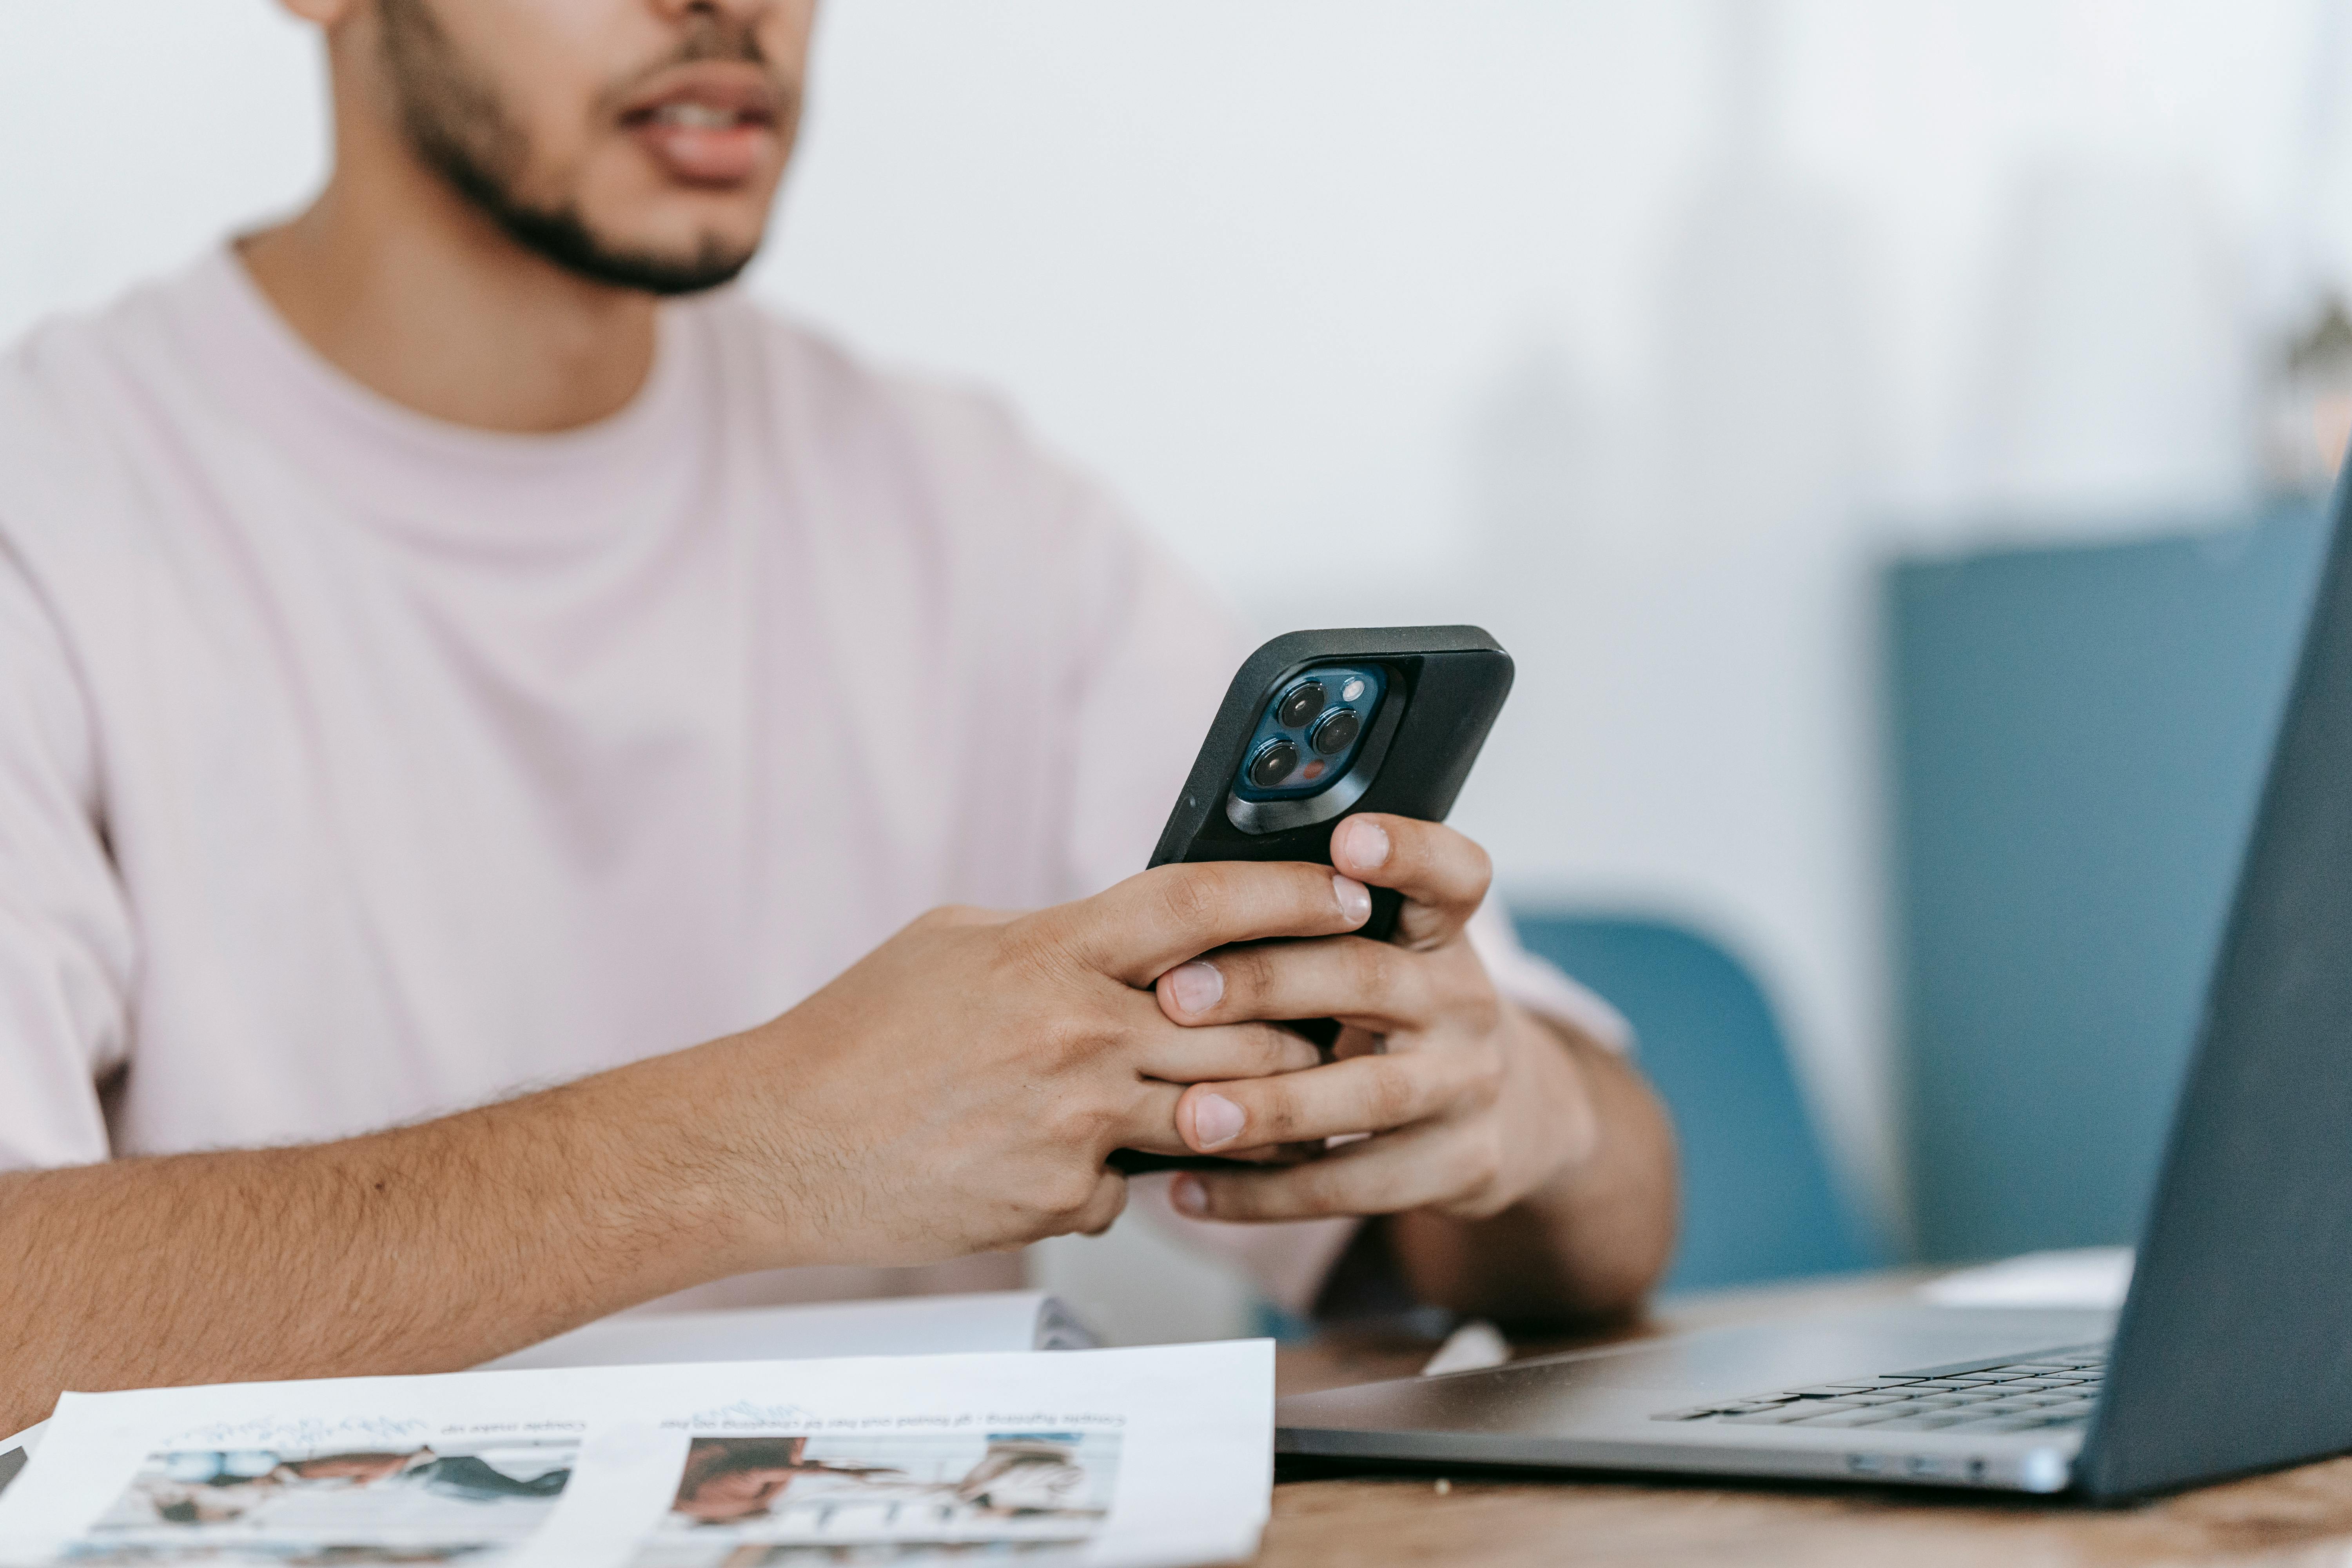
1639 1406
2233 1353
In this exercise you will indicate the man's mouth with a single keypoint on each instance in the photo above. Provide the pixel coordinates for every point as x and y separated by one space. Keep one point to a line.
707 124
700 117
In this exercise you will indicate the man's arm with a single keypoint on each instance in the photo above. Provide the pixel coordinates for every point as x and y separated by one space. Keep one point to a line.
956 1090
425 1249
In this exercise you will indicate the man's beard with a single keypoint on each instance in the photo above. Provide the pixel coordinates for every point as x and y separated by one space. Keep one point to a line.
457 125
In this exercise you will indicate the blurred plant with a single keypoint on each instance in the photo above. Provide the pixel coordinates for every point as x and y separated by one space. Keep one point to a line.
2307 403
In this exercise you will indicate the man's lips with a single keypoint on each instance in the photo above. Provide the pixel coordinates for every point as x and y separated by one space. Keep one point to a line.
706 125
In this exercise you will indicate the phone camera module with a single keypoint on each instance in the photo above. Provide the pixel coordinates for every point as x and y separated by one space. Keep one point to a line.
1274 762
1300 703
1336 731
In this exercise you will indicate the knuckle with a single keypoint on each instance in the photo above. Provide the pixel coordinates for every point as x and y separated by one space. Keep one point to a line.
1480 867
1478 1165
1283 1050
1079 1123
1481 1008
1388 1093
1111 1202
1383 971
1197 895
1484 1074
1249 975
1274 1115
1486 1156
1068 1038
1063 1193
1465 990
1316 1189
1039 946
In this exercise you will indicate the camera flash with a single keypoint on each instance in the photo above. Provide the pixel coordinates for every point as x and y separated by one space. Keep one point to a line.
1352 690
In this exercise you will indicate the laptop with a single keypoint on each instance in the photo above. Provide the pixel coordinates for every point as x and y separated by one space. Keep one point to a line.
2231 1353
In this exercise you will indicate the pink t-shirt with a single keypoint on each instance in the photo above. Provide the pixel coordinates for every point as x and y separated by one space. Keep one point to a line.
356 767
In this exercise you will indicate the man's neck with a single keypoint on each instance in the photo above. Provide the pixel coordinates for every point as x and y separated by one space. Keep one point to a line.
399 282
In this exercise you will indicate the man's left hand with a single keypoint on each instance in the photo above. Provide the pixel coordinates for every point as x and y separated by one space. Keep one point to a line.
1472 1103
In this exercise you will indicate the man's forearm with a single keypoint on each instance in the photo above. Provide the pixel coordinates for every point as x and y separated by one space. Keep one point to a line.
425 1248
1589 1245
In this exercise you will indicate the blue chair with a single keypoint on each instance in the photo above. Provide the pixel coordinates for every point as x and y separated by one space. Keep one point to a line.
1759 1200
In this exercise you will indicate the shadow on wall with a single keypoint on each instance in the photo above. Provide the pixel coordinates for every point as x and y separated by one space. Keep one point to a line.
2078 738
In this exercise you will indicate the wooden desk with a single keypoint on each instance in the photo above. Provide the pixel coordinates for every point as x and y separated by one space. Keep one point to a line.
2301 1517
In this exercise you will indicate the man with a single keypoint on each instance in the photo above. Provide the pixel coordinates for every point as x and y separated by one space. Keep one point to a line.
433 667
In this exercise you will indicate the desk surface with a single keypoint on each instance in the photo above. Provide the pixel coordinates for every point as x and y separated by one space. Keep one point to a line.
2302 1517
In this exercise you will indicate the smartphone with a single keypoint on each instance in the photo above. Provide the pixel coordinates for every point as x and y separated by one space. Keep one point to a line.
1317 726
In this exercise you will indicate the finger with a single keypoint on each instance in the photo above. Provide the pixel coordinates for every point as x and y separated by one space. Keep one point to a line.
1148 1119
1371 984
1155 921
1433 1165
1216 1052
1364 1094
1443 875
1149 1126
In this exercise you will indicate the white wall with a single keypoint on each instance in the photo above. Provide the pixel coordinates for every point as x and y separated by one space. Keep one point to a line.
1638 330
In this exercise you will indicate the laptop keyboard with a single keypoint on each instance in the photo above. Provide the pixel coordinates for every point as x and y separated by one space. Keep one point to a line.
2055 1389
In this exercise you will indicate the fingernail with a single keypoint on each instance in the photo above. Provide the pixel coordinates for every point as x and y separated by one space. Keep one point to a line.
1355 899
1197 986
1368 843
1188 1194
1215 1120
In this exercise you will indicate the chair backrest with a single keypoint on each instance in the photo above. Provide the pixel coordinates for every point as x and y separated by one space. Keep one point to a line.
2079 734
1758 1199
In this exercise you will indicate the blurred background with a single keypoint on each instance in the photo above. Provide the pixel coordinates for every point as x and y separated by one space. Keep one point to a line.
1888 437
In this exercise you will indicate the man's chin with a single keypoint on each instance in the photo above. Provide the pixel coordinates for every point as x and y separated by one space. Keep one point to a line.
564 238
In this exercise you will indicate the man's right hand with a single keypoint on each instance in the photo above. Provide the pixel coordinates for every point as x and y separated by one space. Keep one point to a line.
958 1088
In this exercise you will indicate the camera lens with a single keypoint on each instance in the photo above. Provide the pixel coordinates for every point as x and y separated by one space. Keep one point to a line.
1336 731
1302 702
1273 764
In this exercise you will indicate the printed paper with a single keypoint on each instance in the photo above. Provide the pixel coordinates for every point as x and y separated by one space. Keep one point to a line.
1127 1457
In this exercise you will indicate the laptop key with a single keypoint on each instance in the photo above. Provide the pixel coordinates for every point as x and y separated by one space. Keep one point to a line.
2055 1389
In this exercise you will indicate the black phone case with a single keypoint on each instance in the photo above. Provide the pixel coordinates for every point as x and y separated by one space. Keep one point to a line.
1452 681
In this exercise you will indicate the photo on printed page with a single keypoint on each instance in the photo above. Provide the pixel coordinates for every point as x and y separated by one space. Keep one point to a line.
448 1500
778 1498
